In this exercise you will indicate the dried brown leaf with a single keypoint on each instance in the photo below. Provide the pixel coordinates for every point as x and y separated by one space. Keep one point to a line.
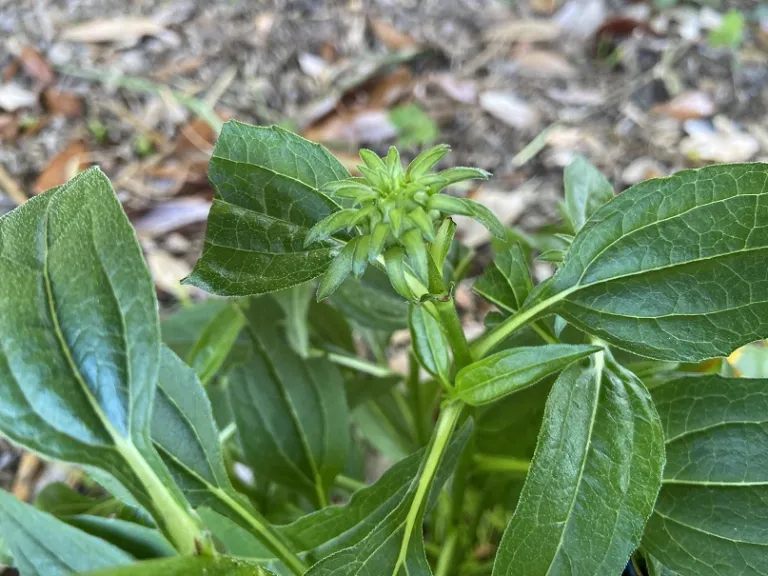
62 167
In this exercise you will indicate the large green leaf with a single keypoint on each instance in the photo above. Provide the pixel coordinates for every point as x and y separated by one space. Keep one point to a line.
189 566
267 183
710 516
593 479
291 413
185 435
376 529
673 268
586 189
80 342
41 545
509 371
216 341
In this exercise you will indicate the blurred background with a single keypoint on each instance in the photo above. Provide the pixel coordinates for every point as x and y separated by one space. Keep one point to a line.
519 88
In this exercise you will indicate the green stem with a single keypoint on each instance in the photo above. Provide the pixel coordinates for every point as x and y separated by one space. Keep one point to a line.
355 363
260 528
450 321
440 438
445 560
414 395
488 341
544 333
488 463
348 484
185 533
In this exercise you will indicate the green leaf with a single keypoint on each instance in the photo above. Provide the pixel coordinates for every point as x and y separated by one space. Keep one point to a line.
80 342
215 343
363 387
185 435
426 160
586 189
673 268
509 371
291 413
414 126
338 271
189 566
465 207
710 516
193 328
506 281
384 423
430 344
267 183
329 327
41 545
730 33
61 500
137 540
381 541
371 302
593 480
295 303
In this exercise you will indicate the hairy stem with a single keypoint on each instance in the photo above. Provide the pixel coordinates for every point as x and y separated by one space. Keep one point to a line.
445 560
450 321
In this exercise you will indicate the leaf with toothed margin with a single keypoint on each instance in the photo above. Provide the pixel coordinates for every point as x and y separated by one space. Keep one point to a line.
267 183
673 268
710 518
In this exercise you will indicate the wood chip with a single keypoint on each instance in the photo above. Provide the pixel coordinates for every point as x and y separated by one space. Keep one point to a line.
13 97
120 30
544 64
510 109
534 30
390 36
65 165
371 125
10 187
63 103
35 65
9 127
688 105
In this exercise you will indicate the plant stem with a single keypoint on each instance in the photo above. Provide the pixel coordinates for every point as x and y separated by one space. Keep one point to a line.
488 463
488 341
349 484
355 363
445 560
414 395
450 321
438 443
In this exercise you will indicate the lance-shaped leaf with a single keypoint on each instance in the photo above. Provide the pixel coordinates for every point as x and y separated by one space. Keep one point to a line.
193 333
586 189
430 344
184 432
593 479
295 303
465 207
139 541
267 183
80 342
710 516
291 413
41 545
189 566
387 539
506 281
512 370
673 268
